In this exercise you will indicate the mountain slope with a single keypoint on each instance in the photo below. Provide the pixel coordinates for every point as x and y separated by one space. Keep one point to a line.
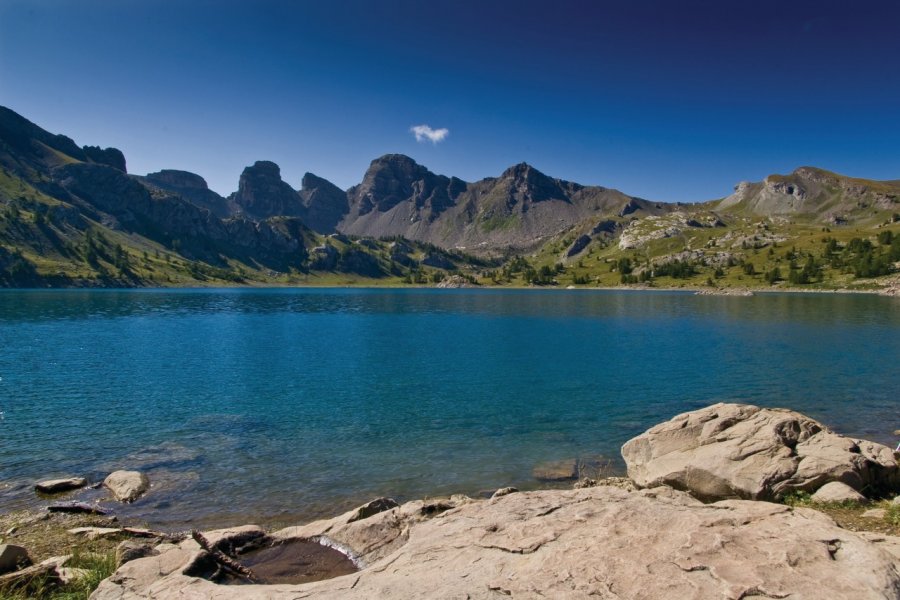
818 195
517 210
72 215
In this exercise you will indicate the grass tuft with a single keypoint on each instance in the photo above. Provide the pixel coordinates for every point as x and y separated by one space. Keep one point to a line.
97 567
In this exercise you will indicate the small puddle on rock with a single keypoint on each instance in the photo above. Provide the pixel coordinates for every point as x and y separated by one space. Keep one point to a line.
289 562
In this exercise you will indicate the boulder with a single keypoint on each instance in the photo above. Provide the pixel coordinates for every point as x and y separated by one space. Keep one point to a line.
875 513
127 486
55 486
601 541
836 491
744 451
13 557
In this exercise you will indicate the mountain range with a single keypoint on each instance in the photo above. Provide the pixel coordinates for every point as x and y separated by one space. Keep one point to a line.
73 215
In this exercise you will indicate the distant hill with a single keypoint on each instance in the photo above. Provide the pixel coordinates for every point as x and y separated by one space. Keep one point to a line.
817 195
72 215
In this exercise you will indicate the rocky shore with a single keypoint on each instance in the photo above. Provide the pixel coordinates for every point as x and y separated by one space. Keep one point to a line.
730 501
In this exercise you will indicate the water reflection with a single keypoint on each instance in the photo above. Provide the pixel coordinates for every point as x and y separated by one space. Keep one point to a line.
826 309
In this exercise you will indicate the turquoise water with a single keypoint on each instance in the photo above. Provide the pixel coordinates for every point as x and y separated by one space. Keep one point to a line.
282 405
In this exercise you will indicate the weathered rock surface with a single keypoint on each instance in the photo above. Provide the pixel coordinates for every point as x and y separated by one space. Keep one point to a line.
743 451
55 486
373 508
129 550
603 542
889 543
837 492
127 486
578 245
455 281
13 557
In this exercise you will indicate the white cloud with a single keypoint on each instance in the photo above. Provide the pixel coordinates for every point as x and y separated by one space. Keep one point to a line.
424 132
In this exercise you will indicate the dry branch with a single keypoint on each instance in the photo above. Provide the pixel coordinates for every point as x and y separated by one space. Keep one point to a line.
221 558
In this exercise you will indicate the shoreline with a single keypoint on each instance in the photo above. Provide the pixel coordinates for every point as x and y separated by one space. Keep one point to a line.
699 290
515 521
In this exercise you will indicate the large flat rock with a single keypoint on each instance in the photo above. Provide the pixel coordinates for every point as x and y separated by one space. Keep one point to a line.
600 542
743 451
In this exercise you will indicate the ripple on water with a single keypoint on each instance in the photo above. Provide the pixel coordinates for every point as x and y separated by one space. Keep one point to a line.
289 404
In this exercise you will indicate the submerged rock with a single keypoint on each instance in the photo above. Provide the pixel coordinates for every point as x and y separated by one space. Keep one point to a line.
55 486
556 470
743 451
127 486
601 541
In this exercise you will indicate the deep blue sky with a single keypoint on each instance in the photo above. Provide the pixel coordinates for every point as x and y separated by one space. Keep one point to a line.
666 100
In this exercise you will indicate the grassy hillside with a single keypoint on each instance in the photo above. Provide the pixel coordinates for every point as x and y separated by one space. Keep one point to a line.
72 216
695 248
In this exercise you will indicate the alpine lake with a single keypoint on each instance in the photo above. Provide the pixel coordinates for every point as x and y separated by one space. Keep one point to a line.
278 406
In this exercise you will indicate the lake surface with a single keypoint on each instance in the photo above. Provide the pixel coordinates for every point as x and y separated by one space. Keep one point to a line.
276 406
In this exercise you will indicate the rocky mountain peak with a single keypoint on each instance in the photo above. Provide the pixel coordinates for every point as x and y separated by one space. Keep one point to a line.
395 166
325 204
111 157
262 168
192 188
520 170
312 181
814 174
262 193
176 178
531 184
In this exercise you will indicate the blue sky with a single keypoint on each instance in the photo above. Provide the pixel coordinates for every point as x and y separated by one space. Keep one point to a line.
664 100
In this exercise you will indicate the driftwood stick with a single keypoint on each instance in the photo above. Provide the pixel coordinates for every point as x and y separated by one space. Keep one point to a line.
149 533
222 558
78 507
27 575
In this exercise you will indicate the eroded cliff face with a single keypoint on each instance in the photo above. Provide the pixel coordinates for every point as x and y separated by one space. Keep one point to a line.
192 188
324 204
262 193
